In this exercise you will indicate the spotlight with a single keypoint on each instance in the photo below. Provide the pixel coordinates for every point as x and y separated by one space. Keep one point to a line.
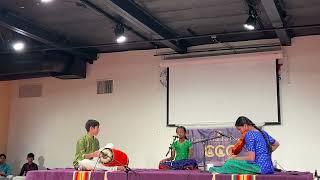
252 20
46 1
250 23
119 32
121 39
18 46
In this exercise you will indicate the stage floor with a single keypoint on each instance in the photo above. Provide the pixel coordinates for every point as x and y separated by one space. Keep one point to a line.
154 174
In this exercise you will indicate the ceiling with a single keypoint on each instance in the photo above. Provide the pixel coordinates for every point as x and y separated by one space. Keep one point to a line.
79 29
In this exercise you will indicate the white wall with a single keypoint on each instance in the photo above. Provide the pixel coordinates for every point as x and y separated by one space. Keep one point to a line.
300 93
5 95
134 117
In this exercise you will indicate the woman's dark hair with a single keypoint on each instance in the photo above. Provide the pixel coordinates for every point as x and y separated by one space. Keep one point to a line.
242 120
91 123
184 129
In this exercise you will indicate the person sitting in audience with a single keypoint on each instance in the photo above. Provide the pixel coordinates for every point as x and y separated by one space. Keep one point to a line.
29 166
5 169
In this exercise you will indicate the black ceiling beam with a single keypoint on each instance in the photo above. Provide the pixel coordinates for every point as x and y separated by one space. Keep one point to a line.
226 37
26 28
276 19
97 9
141 19
30 65
13 64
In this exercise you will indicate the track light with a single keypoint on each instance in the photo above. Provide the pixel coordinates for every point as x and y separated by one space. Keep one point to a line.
119 32
250 23
121 39
18 46
46 1
252 20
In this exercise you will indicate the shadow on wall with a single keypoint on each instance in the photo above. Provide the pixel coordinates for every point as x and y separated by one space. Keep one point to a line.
16 167
41 166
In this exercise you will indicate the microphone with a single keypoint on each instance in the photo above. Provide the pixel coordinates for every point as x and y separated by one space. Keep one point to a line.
221 134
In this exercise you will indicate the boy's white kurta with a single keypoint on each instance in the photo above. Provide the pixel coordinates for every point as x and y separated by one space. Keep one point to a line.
95 164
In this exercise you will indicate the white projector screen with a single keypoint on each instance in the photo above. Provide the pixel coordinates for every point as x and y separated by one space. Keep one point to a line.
218 93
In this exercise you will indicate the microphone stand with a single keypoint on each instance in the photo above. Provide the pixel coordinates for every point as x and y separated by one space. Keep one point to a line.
170 148
205 143
230 137
316 175
127 170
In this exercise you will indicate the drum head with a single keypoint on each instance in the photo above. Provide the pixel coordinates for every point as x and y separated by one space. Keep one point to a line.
106 155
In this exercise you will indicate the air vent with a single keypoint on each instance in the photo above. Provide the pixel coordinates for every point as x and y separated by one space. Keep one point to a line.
105 87
30 90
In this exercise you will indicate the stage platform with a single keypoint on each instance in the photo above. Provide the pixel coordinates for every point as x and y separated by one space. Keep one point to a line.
154 174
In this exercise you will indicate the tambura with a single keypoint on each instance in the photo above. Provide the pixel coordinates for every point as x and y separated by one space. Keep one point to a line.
114 157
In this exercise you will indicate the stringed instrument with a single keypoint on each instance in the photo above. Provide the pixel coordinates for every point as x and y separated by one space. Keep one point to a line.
237 148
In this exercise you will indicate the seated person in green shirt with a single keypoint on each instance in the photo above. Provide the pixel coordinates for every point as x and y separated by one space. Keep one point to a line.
5 170
87 150
181 148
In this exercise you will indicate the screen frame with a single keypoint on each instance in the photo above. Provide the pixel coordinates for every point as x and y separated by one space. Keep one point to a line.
278 78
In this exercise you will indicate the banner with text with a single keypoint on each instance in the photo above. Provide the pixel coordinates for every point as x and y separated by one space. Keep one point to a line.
212 144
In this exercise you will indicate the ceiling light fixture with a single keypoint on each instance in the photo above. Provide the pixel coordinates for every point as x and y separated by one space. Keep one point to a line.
252 20
119 32
18 46
46 1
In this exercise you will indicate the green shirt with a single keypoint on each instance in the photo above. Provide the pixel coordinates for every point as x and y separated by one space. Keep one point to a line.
182 149
85 145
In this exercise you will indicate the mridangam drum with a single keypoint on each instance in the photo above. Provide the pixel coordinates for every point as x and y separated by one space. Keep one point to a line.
114 157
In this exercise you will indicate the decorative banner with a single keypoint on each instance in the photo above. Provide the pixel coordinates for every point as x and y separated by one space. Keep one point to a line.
81 175
217 147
